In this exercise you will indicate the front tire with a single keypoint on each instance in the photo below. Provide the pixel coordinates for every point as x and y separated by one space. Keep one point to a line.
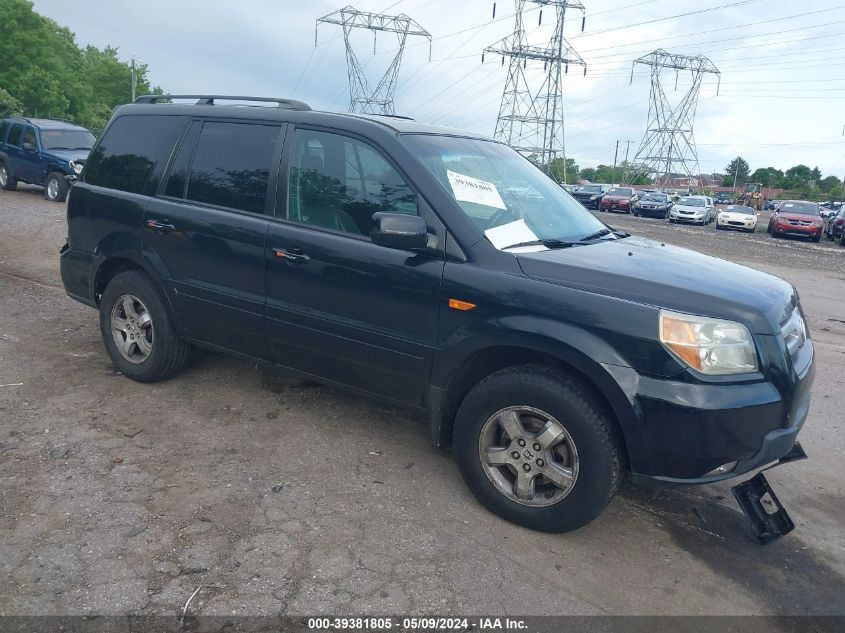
137 329
7 180
56 187
535 448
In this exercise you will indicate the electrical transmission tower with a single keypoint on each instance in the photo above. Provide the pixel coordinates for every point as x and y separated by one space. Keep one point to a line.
668 146
363 98
531 112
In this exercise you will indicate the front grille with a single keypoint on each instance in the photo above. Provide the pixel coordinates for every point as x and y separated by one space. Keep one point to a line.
794 332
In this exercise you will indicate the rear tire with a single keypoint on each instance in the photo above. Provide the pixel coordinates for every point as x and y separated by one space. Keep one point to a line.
137 329
516 410
7 180
56 187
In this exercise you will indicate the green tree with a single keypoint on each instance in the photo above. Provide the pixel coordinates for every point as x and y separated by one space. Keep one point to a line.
767 176
8 104
797 178
588 173
556 170
737 172
828 184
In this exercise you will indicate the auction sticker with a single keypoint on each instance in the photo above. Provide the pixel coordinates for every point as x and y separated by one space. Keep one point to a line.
469 189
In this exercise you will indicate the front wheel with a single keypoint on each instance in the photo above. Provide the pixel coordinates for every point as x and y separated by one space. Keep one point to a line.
56 187
536 449
137 329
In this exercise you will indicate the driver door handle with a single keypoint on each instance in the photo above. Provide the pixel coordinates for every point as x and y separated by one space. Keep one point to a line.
162 226
293 255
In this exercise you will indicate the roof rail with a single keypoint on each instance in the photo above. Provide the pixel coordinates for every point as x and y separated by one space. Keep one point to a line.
288 104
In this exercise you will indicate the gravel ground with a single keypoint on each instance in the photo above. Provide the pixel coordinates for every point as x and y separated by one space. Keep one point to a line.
281 496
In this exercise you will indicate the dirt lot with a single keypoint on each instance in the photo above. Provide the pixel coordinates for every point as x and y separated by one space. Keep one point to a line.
281 496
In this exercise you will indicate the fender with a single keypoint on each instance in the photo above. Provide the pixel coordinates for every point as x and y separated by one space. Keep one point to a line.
574 346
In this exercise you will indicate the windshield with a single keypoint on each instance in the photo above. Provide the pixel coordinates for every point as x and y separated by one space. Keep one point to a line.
620 191
691 202
745 210
801 208
495 186
656 197
590 188
67 139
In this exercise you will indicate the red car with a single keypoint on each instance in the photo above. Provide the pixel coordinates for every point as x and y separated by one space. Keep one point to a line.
622 198
797 218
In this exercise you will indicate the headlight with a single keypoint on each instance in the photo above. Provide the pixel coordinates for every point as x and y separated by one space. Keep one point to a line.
76 167
712 346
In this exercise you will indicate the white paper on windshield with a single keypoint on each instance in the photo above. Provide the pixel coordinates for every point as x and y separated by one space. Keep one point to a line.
788 205
511 233
469 189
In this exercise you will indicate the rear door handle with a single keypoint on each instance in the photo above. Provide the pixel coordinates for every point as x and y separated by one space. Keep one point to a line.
162 226
293 255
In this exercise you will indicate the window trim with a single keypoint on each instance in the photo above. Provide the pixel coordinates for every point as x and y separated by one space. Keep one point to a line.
287 162
275 162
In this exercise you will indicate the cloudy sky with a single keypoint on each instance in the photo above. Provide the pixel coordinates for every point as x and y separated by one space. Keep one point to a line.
779 104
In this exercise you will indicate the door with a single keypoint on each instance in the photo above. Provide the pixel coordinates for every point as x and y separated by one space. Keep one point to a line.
30 156
205 231
338 306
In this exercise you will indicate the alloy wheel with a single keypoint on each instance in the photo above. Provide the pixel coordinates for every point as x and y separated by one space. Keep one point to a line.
528 456
4 176
132 328
52 188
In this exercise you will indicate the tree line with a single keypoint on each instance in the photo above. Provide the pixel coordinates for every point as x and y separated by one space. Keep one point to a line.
799 179
44 73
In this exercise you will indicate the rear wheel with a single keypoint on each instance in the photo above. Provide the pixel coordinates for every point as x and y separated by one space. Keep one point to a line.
56 187
535 448
7 181
137 329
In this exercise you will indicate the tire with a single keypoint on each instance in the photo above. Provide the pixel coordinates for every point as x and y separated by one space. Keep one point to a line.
671 221
718 227
56 187
585 444
817 239
7 180
167 353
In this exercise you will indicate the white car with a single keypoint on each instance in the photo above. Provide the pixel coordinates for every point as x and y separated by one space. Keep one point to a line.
694 209
737 217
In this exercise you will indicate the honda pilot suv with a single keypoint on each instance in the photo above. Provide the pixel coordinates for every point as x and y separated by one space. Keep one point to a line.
441 271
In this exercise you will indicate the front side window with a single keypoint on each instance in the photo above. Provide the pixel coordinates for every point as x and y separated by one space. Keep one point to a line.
67 139
132 153
29 139
485 178
338 183
232 164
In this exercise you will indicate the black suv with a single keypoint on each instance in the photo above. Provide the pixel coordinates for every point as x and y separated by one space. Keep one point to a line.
443 272
42 152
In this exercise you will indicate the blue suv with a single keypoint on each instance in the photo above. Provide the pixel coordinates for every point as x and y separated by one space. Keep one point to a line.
42 152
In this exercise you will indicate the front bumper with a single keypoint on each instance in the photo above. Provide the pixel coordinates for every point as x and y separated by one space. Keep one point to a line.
652 211
797 231
687 218
613 206
684 430
590 204
735 224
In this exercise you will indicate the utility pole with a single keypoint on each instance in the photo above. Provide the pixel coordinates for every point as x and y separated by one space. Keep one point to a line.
362 97
668 142
531 112
625 167
134 79
736 172
615 155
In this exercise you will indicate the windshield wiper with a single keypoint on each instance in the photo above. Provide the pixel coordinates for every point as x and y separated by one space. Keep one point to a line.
547 243
596 235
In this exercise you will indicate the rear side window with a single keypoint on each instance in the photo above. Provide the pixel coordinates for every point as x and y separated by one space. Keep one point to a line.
15 135
231 165
133 152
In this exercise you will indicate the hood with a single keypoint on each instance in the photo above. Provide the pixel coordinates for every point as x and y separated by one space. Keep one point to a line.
687 207
669 277
737 216
617 198
798 216
68 155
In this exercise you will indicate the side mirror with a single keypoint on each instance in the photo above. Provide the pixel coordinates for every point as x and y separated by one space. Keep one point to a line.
28 147
400 231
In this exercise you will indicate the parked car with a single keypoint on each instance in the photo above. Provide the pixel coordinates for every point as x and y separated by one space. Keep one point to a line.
551 351
42 152
834 224
653 205
590 195
771 205
796 218
621 198
694 209
737 217
725 199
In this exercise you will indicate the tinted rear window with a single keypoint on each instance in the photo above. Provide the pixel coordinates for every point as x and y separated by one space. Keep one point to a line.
231 165
132 153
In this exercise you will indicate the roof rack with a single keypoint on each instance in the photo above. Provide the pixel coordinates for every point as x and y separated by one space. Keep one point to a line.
288 104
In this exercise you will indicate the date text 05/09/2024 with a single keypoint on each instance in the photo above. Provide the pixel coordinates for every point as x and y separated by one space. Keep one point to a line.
416 624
